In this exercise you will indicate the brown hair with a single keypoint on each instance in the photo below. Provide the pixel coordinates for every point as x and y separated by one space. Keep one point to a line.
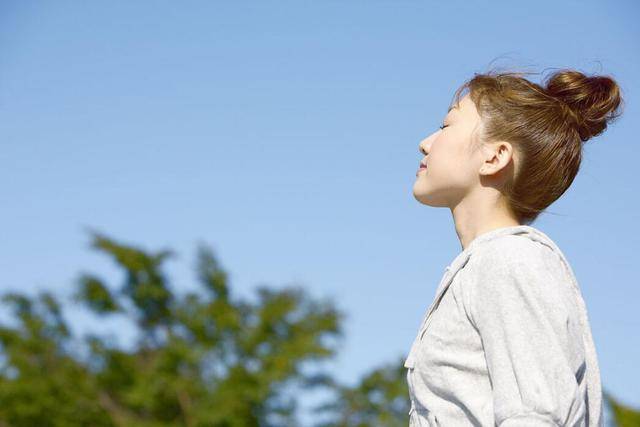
547 125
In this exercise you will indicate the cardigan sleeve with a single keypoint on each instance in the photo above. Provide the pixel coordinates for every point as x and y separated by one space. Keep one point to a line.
517 307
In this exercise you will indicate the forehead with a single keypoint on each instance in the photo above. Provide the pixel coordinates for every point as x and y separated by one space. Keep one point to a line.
462 107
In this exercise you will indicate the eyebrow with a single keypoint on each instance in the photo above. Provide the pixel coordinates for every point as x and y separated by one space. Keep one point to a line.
451 107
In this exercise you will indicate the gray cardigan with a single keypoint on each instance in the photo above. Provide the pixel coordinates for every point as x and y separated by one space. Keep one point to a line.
506 341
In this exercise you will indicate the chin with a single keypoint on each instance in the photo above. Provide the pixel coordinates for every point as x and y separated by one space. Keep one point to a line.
420 194
423 195
422 199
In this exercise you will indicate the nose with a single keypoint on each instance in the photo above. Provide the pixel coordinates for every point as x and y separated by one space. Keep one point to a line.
425 144
422 147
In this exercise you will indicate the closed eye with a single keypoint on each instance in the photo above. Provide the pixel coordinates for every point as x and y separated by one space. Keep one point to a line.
443 126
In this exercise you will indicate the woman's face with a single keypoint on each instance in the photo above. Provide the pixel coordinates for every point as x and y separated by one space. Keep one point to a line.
451 165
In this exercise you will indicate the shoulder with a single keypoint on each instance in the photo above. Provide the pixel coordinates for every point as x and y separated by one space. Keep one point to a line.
509 252
513 271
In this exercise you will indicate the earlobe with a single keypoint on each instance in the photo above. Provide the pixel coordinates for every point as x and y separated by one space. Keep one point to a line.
484 171
489 164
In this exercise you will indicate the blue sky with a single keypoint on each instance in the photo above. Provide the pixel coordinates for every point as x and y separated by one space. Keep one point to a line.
285 135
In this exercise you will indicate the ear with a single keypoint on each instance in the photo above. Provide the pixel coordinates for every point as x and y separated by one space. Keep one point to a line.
496 157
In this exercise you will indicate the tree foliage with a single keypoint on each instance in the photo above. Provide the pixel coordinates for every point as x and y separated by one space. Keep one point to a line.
379 399
623 416
202 358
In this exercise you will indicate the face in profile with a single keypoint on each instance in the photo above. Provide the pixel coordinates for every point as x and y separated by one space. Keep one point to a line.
452 163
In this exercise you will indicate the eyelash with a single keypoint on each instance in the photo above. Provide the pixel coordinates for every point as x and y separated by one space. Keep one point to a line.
443 126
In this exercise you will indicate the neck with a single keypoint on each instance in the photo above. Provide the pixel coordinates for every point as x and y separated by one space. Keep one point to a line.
474 216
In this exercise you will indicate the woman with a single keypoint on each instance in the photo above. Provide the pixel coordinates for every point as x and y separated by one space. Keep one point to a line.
507 340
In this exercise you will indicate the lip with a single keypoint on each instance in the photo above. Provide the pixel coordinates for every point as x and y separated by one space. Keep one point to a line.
421 168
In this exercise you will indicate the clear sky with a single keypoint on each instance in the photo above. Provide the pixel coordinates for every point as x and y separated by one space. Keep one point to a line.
285 135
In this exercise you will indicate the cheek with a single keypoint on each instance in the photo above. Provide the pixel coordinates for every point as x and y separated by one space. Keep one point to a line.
445 157
453 164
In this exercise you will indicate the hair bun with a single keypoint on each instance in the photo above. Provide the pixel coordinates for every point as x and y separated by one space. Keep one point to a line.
593 101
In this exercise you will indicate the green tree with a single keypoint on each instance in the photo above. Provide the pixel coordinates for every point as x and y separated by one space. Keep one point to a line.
202 358
623 416
380 398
